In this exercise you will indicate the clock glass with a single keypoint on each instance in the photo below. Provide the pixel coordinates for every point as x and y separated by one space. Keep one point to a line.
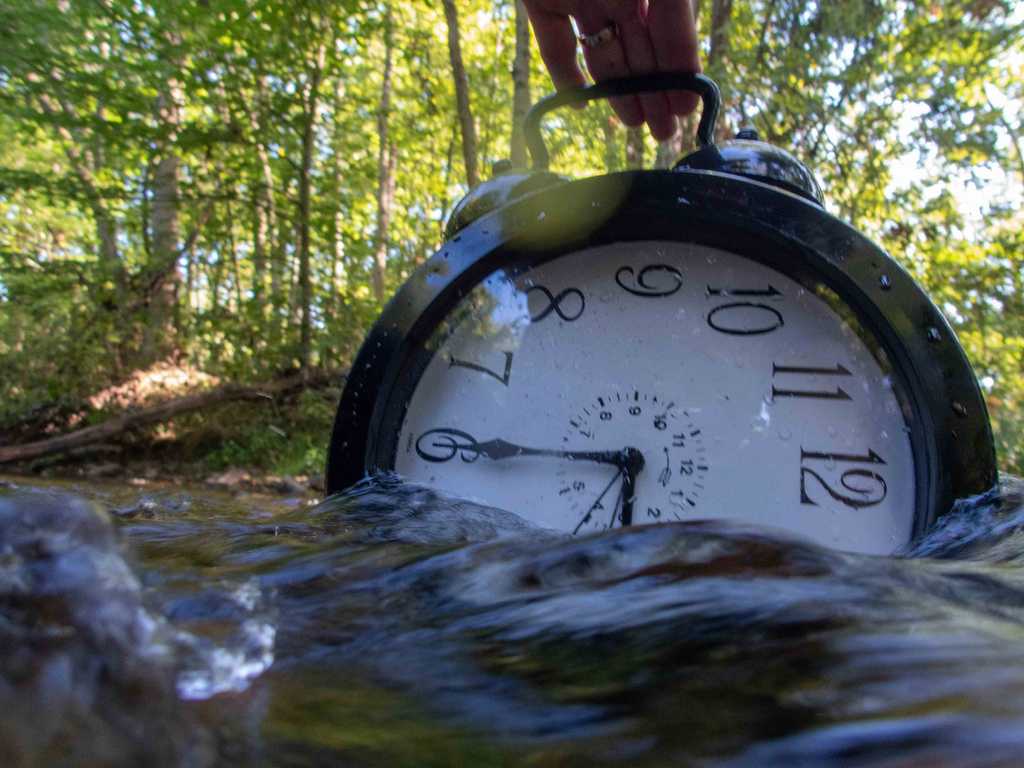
648 382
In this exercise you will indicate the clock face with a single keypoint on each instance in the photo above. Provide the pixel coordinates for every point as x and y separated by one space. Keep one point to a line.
650 382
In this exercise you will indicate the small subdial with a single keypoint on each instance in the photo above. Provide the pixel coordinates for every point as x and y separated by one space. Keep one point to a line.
666 486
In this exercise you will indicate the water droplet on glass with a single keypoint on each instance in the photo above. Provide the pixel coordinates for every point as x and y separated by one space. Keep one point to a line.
959 409
785 434
933 335
885 282
541 216
763 419
885 435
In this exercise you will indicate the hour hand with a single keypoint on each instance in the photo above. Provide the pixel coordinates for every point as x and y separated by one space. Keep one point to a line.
441 445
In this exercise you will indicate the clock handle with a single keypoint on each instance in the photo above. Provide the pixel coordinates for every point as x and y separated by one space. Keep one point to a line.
702 85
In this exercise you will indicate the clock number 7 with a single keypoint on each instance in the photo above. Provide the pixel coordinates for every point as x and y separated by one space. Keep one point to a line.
860 487
502 377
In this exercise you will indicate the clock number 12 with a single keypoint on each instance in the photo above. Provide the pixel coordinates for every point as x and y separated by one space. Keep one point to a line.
858 487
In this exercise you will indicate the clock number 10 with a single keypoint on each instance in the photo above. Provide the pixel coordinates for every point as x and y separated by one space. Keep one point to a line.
743 317
858 487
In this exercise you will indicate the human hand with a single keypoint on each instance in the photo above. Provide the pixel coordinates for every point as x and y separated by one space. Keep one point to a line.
621 38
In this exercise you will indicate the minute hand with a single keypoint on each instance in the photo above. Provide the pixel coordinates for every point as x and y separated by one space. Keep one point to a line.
502 449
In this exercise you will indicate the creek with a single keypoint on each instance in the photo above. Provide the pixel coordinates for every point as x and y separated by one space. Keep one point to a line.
395 626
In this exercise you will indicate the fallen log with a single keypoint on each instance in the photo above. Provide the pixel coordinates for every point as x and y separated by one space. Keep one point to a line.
162 412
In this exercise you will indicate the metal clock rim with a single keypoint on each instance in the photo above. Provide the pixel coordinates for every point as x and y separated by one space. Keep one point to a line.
898 314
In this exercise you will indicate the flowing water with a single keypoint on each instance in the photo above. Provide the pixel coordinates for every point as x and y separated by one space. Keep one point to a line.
395 626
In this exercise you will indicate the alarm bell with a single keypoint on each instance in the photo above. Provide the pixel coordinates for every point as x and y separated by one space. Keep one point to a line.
747 156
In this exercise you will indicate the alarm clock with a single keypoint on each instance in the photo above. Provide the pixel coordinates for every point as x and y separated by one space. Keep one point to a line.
654 347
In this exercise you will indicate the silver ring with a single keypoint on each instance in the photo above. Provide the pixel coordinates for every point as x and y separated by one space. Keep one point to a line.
600 37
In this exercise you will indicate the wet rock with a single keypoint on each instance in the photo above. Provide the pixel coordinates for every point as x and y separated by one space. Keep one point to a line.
86 674
231 478
286 484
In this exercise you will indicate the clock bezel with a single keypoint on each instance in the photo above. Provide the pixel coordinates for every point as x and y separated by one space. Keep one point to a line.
954 454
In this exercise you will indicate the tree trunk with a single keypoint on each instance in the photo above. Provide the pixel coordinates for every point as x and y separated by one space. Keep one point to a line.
337 244
718 53
520 86
461 94
609 130
264 214
85 166
721 18
385 164
311 106
159 334
635 147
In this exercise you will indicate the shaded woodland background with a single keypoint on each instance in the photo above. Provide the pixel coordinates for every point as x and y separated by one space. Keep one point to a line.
226 191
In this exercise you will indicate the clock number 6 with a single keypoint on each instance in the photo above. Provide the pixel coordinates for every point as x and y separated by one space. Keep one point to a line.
869 487
502 377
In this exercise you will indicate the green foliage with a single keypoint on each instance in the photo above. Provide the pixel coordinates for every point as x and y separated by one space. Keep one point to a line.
289 441
909 112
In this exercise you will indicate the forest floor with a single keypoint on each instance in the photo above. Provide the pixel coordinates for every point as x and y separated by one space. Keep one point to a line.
268 443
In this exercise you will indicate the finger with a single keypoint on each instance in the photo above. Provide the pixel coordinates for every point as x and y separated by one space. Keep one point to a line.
557 43
607 61
674 35
640 58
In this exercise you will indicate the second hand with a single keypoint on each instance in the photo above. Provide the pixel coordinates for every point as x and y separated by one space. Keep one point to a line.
597 502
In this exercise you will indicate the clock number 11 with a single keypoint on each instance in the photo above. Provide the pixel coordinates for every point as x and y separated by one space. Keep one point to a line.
858 487
787 375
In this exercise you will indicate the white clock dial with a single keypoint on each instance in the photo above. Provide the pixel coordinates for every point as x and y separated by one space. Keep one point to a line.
650 382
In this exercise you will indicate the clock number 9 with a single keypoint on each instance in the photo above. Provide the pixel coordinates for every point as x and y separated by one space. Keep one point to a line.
669 278
868 488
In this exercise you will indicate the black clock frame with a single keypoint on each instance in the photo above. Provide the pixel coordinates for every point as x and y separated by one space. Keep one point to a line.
952 444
